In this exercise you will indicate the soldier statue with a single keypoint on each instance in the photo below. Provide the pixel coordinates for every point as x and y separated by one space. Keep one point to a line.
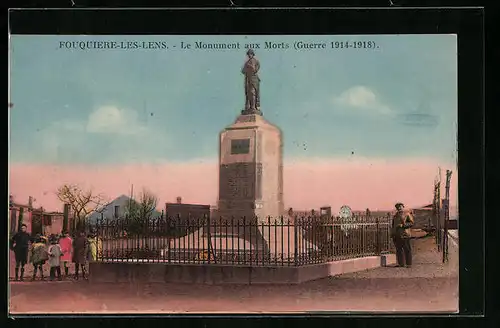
252 83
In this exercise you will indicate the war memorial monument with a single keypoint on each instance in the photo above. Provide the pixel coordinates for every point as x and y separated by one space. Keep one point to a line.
250 183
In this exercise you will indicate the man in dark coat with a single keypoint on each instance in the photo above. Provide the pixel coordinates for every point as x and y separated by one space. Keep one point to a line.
401 224
20 245
80 249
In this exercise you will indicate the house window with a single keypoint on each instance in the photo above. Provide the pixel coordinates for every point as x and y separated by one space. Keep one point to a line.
117 210
47 220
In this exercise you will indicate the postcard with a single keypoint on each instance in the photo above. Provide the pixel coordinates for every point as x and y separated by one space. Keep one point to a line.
233 174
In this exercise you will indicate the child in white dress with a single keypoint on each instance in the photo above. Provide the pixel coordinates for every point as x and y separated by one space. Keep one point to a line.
55 254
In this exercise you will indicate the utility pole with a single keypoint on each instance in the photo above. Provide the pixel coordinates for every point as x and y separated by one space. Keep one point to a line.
130 200
437 209
446 216
439 226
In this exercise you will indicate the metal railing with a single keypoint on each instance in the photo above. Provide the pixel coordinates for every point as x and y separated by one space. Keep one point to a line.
255 242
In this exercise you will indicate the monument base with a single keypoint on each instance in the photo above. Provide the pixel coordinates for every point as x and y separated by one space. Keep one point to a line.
268 241
147 272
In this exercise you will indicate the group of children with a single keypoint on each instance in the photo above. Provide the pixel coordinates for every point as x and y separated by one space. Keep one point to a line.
54 250
59 250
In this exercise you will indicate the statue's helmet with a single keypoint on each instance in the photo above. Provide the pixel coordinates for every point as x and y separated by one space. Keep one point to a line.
250 52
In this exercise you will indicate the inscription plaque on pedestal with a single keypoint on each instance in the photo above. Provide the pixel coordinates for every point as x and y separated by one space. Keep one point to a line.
240 146
237 181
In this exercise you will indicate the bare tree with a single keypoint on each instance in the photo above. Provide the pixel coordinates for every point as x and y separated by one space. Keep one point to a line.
141 211
82 202
144 207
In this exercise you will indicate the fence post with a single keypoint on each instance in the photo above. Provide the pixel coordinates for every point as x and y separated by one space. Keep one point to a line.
332 246
209 236
170 230
378 236
295 242
98 224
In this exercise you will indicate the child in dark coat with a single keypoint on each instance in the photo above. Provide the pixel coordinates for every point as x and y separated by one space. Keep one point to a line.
80 253
20 243
38 256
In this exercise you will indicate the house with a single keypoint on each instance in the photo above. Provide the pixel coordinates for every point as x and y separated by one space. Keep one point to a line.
37 220
51 222
183 211
115 209
374 214
424 217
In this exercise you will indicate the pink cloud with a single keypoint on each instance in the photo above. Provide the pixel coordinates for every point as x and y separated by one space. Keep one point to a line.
361 183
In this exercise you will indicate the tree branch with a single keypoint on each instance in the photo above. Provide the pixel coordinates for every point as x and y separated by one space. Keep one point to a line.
82 202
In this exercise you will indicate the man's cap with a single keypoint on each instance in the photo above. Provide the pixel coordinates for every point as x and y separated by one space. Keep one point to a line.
24 225
250 51
399 205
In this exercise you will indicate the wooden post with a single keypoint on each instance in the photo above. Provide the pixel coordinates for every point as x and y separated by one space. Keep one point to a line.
66 217
20 219
439 212
42 220
446 216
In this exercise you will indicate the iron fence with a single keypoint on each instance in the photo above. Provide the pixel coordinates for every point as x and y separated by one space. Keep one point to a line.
241 241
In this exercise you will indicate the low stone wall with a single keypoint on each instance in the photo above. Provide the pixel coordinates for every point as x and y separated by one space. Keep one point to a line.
228 274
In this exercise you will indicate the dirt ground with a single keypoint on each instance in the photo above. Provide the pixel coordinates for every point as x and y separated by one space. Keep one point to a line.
28 269
429 286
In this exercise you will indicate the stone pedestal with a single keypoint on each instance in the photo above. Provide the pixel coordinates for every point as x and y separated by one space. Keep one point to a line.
250 176
251 169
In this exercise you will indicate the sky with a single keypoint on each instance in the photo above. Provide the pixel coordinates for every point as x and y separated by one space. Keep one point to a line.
364 127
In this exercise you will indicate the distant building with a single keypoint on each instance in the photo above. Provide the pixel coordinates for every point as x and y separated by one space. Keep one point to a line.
115 209
304 213
51 222
423 217
37 220
187 211
373 214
